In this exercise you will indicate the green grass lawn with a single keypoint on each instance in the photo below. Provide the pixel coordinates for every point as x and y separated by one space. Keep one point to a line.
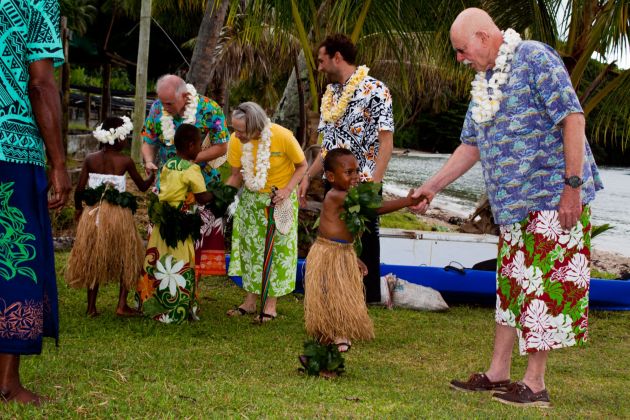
136 368
405 219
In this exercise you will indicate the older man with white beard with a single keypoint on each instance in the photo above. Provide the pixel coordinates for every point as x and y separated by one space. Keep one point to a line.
526 126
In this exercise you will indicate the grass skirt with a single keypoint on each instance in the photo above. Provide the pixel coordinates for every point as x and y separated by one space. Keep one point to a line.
107 248
334 303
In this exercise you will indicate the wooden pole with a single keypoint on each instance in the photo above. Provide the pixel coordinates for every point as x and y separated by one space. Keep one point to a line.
141 78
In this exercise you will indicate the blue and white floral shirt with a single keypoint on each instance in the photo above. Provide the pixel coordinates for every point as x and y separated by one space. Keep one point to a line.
521 148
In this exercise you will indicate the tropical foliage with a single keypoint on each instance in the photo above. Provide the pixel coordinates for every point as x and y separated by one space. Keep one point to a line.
359 207
266 40
406 44
585 28
321 359
80 14
80 76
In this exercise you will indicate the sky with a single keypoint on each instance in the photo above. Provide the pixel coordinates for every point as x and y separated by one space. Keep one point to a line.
623 60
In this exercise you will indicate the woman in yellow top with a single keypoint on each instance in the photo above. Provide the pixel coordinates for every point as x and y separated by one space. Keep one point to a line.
262 155
166 290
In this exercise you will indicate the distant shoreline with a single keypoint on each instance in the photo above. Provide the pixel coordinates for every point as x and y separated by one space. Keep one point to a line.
397 151
410 152
602 260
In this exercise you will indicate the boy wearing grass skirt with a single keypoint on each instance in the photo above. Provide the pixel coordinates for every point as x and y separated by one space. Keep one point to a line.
334 303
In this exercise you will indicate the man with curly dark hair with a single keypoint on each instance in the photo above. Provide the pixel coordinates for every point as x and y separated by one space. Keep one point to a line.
356 114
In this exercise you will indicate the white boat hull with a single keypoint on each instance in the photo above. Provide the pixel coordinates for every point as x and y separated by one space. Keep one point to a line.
436 249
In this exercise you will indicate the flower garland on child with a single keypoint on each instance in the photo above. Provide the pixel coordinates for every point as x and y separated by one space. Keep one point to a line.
256 182
110 136
486 94
332 111
190 115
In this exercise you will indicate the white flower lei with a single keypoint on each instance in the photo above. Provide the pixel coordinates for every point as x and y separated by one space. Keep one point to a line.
330 111
110 136
257 182
486 94
190 116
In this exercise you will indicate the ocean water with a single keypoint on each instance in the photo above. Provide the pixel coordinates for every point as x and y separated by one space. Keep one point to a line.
612 204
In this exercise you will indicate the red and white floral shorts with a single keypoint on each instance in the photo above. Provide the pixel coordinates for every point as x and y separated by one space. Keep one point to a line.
543 278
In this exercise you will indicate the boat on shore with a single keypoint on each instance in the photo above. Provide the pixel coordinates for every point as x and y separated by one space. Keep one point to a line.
444 261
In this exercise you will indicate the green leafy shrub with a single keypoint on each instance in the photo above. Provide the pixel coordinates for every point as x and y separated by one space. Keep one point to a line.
119 79
321 359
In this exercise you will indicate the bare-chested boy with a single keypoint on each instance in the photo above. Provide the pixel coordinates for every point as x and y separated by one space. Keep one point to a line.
334 305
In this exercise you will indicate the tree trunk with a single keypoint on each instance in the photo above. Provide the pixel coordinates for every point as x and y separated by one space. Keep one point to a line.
65 84
202 61
140 102
88 108
288 111
217 90
106 94
301 132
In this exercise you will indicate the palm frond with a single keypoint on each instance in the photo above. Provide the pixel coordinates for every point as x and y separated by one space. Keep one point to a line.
609 111
80 14
535 19
584 27
237 59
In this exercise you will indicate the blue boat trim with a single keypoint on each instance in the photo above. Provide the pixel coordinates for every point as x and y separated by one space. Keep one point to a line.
479 287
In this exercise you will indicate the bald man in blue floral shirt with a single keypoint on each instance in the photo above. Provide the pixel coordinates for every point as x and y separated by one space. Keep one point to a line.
526 126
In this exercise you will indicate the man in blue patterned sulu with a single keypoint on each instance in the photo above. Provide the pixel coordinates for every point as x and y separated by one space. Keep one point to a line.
30 116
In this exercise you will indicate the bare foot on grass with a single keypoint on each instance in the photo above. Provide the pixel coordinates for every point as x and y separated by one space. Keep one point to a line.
127 311
22 395
343 345
328 374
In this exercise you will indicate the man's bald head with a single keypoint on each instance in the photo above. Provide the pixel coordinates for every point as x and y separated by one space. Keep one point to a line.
473 20
476 38
172 92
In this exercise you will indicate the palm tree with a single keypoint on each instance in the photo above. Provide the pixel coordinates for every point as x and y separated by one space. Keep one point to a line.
202 61
407 45
396 39
80 14
589 26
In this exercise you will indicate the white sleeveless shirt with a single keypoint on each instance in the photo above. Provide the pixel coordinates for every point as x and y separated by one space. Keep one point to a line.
118 181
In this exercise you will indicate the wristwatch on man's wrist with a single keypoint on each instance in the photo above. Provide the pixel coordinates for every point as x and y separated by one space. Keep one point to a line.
573 181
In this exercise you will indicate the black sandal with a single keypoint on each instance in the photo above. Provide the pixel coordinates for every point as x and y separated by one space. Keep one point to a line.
238 311
265 317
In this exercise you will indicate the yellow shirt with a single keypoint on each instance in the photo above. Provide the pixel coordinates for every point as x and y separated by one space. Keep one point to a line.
285 154
178 178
